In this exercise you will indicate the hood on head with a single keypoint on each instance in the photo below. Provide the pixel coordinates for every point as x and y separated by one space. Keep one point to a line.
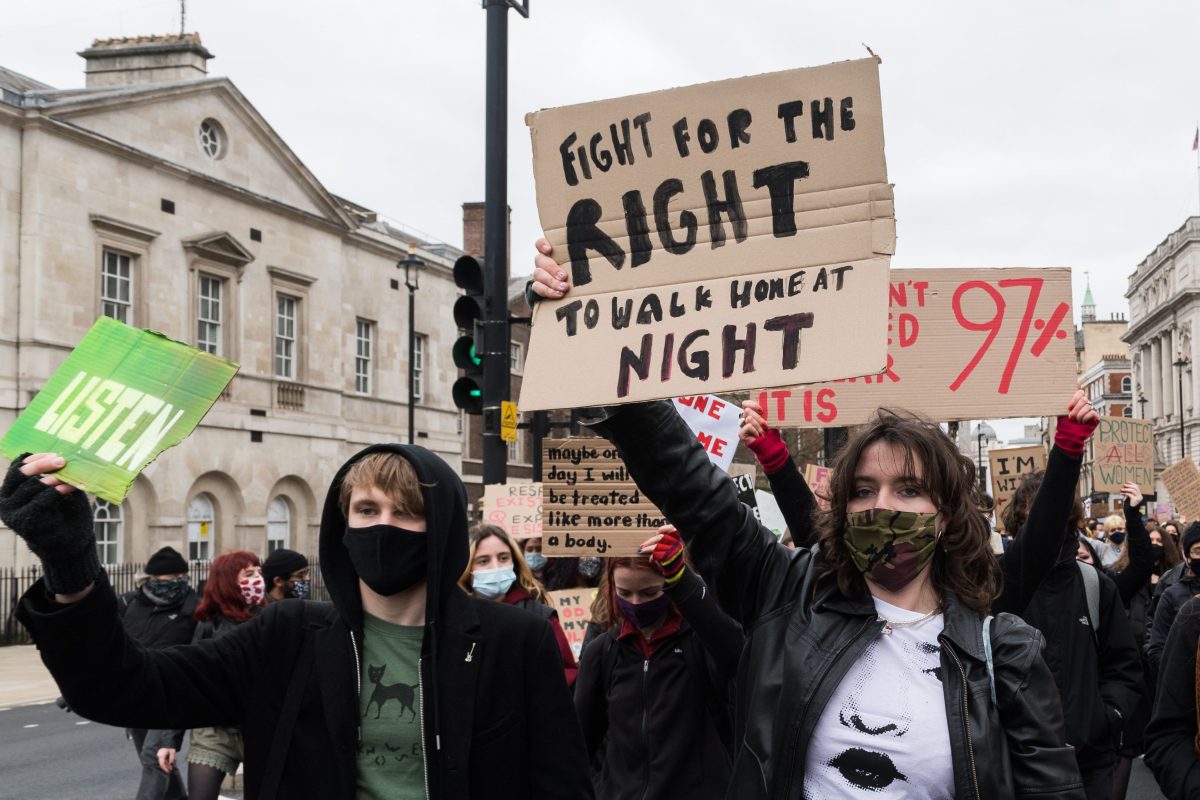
445 525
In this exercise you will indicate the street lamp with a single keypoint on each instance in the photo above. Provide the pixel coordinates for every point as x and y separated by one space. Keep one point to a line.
1179 363
1141 401
412 279
980 436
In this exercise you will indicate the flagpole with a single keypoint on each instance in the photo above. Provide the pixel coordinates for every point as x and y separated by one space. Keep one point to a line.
1196 150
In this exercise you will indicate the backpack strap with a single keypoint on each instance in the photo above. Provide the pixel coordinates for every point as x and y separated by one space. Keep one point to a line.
987 654
1091 589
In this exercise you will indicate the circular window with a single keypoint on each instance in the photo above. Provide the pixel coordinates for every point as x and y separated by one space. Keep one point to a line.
212 138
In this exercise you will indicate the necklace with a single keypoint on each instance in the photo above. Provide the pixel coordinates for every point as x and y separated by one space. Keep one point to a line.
889 624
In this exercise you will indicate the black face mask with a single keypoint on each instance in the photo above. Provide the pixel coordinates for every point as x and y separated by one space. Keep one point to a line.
1194 566
388 559
1157 551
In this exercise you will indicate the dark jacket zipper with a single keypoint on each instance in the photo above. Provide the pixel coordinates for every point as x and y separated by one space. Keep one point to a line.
645 738
794 746
966 714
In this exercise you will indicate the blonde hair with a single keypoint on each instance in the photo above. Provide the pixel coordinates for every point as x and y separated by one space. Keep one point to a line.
525 578
1114 521
392 474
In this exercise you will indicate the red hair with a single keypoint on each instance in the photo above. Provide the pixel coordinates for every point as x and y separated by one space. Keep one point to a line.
222 594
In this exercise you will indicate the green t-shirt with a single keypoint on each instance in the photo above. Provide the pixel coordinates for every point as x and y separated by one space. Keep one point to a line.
390 761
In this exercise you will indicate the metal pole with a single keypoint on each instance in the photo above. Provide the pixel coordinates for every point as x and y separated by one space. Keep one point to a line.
982 473
1182 440
495 243
412 372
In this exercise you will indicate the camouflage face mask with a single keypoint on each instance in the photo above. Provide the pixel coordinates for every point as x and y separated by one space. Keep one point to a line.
891 547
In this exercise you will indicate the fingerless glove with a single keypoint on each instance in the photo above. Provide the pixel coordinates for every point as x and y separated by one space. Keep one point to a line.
770 450
1071 436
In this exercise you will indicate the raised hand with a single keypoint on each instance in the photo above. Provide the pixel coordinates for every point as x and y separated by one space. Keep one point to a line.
1133 494
665 550
549 279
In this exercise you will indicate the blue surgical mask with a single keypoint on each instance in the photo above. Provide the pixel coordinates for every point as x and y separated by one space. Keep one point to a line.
535 560
493 583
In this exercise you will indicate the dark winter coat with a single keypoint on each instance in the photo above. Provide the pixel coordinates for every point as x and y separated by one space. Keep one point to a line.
158 626
1169 604
1098 673
803 636
633 709
497 715
1171 734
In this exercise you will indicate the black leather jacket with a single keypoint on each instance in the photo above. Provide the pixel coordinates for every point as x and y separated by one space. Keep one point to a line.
803 635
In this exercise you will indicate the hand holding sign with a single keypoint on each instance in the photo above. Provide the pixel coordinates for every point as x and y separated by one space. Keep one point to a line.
1133 494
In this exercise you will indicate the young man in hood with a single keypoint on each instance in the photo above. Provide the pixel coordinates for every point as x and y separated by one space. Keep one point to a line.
402 687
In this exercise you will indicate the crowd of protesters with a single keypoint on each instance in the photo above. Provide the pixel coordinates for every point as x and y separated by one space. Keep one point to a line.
894 645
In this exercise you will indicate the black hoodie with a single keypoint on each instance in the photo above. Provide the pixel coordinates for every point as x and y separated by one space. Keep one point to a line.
498 718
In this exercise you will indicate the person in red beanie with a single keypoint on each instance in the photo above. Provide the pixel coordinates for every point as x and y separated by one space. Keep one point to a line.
663 666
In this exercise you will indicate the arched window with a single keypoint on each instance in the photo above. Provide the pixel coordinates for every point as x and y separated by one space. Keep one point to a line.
201 528
109 527
1127 411
279 524
1126 385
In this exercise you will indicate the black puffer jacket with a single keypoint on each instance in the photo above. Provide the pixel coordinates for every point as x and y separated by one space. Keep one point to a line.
803 636
158 626
1169 604
498 718
1171 734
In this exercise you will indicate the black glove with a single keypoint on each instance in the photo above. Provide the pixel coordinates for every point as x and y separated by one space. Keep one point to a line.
57 527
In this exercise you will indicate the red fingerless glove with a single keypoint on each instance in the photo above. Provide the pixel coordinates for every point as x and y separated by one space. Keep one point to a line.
668 557
770 451
1071 436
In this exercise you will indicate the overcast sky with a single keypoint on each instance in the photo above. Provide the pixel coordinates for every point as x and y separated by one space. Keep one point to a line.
1020 134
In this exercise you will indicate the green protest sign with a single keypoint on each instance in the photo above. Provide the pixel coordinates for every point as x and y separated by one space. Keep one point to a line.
123 396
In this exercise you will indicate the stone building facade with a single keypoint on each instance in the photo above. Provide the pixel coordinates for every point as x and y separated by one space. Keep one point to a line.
160 196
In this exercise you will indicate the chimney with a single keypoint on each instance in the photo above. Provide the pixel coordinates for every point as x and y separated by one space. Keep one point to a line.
145 59
473 233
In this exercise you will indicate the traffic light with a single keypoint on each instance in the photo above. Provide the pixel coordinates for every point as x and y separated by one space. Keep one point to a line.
469 313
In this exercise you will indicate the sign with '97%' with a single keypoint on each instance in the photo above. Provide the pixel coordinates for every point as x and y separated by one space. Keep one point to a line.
962 344
734 234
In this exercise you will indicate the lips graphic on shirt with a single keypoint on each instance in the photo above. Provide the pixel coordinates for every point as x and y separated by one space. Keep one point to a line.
866 769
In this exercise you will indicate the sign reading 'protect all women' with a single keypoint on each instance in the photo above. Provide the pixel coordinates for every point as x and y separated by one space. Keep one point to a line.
122 396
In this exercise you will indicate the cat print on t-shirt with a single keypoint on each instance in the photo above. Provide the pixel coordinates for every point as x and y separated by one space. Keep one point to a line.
884 731
390 762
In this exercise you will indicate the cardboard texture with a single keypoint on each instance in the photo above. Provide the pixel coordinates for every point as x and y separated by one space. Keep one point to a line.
817 479
1182 481
515 507
1008 466
1123 451
714 234
715 423
574 611
590 505
962 344
120 398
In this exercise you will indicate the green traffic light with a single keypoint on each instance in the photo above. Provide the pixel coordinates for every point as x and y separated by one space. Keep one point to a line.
475 393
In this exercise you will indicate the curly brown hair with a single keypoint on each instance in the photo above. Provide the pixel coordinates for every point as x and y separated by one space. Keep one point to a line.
963 562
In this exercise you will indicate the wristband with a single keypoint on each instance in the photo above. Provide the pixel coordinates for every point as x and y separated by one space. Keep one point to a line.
770 451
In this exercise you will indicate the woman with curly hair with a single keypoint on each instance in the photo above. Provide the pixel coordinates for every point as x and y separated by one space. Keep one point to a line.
496 570
872 666
234 592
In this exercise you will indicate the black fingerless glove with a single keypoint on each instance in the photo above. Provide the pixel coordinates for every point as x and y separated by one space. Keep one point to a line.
57 527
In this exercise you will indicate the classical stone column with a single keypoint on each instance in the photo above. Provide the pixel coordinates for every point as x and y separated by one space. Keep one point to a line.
1168 375
1154 378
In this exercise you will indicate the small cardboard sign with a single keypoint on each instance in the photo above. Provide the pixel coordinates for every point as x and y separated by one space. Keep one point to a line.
574 612
1123 451
715 423
962 344
1182 480
120 398
515 507
1008 466
718 234
817 479
590 505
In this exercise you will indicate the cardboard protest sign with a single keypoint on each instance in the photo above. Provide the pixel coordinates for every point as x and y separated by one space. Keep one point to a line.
590 505
1008 466
769 513
1182 480
725 233
715 423
962 344
120 398
516 507
1123 451
745 488
574 611
817 479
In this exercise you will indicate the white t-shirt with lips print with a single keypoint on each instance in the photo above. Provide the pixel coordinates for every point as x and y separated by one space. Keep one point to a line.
884 732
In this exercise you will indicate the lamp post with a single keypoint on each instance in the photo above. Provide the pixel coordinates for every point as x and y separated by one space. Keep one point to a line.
412 279
979 437
1141 401
1179 363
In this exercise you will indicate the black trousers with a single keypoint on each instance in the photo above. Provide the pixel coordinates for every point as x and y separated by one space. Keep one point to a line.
156 784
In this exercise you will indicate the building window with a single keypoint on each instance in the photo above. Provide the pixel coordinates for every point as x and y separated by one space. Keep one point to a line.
515 453
1127 411
279 524
1126 385
201 528
108 526
363 336
116 286
418 367
514 357
285 336
208 315
212 138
